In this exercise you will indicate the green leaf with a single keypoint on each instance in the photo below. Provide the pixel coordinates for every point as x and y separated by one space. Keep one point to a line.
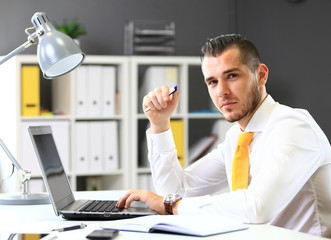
73 28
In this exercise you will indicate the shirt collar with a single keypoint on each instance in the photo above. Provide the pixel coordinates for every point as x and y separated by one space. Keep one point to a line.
261 116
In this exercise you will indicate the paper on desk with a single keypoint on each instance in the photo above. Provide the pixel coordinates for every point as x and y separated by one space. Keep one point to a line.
198 225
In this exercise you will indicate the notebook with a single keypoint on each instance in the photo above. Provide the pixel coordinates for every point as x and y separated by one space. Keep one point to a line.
59 190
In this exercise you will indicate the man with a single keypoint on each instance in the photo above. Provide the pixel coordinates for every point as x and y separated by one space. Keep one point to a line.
289 155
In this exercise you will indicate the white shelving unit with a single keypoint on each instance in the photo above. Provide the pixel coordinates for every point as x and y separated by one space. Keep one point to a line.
195 111
11 120
189 78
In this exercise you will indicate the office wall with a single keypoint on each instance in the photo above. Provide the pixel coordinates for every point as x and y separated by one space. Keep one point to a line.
105 19
294 41
293 37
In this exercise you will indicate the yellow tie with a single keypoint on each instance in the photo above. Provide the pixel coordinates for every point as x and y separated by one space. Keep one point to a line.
240 165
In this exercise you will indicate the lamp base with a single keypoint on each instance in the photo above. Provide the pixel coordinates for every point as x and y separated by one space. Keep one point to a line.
24 199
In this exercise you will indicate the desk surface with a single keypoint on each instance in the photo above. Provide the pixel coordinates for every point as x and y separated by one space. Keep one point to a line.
28 218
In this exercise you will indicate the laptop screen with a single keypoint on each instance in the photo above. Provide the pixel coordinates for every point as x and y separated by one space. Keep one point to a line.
55 179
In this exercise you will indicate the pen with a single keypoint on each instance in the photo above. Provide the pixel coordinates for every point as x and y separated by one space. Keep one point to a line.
50 236
81 226
171 91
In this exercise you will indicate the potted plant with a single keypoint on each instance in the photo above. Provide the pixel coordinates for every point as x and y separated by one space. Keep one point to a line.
72 28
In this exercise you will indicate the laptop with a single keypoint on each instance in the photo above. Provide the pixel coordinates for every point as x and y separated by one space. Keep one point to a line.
59 190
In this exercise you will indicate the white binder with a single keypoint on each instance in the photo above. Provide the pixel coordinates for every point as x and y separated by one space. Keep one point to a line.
94 84
95 136
110 145
108 91
82 148
81 91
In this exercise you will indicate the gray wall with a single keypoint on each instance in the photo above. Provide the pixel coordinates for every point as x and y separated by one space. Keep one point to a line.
294 41
293 38
105 20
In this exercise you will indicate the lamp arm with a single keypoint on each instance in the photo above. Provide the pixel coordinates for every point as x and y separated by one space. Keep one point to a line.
16 51
32 39
23 174
11 157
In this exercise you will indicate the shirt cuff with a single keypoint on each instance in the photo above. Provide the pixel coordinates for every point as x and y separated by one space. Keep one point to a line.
160 142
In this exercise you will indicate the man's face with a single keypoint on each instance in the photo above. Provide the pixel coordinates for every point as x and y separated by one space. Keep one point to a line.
232 86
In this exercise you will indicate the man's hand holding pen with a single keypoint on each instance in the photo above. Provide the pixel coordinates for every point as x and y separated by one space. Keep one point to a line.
159 104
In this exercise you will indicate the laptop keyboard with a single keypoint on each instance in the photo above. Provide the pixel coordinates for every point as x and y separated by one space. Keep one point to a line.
99 206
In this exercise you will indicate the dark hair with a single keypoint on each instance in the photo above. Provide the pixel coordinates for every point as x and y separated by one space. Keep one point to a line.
248 52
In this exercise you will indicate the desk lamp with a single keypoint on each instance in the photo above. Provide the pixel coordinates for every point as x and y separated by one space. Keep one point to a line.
57 54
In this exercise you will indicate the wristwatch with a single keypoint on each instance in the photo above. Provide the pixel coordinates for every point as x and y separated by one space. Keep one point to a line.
169 201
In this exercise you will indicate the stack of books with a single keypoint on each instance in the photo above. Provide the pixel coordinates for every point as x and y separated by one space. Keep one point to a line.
149 38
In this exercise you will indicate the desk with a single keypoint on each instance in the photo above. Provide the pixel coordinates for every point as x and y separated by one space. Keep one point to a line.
22 218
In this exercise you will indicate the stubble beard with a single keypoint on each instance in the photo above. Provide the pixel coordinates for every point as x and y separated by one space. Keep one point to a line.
250 104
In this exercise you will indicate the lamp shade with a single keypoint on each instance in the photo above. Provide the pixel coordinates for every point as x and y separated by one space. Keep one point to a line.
57 53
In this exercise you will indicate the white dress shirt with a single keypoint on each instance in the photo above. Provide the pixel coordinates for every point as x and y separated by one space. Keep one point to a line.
290 172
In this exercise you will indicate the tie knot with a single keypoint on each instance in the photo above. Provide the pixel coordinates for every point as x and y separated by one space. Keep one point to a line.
245 139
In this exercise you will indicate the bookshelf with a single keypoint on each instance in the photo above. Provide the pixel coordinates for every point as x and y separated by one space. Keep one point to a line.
195 111
195 115
61 96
